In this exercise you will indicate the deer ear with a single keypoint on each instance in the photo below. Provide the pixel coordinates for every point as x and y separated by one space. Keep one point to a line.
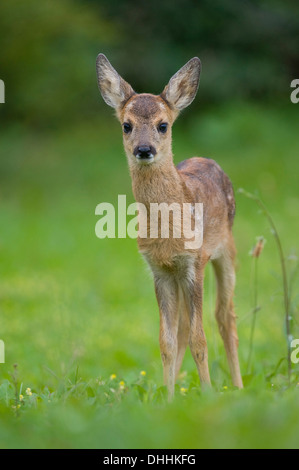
114 89
182 87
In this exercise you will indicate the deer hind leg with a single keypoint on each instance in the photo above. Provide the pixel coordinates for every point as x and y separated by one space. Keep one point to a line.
167 296
225 315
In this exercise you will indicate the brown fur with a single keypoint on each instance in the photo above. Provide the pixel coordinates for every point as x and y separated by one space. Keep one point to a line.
179 272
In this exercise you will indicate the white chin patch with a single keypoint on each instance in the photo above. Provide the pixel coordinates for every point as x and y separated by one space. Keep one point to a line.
145 161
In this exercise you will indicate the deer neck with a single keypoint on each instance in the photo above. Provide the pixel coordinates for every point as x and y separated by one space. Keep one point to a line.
157 182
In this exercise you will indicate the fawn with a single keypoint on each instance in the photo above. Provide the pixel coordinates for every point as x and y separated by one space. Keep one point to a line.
178 271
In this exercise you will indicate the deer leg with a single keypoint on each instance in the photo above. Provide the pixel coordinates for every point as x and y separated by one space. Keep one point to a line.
225 315
167 297
197 339
183 332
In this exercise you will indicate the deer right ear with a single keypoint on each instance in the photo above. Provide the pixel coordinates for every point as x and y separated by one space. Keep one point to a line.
114 89
182 87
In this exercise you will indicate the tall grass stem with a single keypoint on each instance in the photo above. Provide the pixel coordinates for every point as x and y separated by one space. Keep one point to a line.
283 271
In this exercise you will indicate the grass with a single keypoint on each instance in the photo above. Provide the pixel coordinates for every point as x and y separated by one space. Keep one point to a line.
75 309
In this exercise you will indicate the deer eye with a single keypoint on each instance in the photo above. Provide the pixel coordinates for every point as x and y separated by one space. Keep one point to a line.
162 127
127 127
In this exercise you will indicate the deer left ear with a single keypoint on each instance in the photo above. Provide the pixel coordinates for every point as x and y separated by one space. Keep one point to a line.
114 89
182 87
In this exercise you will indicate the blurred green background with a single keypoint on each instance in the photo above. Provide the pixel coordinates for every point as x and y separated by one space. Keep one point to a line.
75 309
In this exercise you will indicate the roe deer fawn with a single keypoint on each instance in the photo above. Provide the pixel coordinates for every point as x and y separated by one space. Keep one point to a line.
178 271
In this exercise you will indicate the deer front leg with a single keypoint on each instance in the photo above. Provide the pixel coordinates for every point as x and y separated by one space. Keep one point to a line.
197 339
167 297
183 332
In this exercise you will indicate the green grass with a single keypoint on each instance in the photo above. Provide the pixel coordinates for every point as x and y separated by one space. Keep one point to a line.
75 309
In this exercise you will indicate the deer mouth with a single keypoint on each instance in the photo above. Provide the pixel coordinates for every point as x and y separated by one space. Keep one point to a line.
145 159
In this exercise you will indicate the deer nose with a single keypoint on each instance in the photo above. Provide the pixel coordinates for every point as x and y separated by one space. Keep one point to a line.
143 151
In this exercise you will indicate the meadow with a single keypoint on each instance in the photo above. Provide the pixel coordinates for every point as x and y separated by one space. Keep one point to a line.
79 317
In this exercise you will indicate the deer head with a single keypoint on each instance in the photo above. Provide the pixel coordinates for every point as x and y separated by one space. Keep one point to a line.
147 119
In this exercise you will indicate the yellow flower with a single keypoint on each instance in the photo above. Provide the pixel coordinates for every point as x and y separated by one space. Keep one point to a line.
112 376
183 390
28 391
121 385
143 373
224 387
21 397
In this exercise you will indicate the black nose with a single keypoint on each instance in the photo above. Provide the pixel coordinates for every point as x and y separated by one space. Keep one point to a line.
143 152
